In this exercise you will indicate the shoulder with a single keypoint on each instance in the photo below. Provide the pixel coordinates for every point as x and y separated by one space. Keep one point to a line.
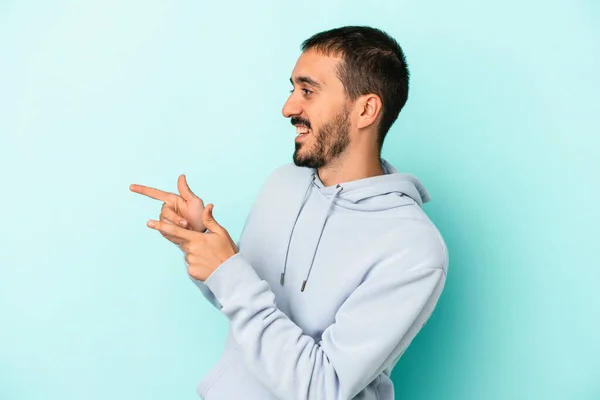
281 180
287 174
417 242
290 170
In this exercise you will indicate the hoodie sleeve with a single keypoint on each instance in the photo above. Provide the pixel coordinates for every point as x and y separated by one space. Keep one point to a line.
372 328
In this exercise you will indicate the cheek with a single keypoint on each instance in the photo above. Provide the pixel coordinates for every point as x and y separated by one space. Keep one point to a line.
322 116
314 113
316 121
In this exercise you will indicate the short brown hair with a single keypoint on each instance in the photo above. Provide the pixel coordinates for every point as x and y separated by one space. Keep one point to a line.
373 62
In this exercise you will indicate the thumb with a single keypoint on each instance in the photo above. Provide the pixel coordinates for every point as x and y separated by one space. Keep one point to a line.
184 189
209 220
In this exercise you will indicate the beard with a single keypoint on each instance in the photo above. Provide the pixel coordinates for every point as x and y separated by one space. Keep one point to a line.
331 140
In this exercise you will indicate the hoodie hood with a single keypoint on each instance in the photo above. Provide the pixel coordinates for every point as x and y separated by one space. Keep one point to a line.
376 193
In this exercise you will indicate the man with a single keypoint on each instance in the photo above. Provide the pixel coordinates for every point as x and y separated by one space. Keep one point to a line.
337 267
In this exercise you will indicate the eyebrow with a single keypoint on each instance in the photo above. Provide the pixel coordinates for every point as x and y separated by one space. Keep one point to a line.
307 80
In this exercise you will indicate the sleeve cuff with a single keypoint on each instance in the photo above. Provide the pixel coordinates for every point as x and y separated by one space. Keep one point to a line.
234 276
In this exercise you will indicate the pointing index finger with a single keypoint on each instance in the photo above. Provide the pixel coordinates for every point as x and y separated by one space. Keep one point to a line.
154 193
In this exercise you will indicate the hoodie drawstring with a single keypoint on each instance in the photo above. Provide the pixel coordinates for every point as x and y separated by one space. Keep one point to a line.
339 189
337 192
312 178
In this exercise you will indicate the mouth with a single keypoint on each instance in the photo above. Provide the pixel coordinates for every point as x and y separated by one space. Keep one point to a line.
302 132
302 129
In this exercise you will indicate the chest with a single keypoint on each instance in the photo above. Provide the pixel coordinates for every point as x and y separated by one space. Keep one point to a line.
333 262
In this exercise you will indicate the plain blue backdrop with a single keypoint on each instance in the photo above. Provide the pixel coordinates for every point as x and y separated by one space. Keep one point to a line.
501 125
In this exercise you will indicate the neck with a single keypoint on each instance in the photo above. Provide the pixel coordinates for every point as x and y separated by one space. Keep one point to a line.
350 167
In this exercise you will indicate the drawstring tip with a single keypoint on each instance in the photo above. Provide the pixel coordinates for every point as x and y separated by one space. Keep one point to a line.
303 285
281 280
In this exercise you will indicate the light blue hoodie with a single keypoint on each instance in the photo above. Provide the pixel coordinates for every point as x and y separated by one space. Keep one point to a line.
330 286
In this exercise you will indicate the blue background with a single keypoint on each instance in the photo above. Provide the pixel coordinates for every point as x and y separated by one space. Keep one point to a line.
502 126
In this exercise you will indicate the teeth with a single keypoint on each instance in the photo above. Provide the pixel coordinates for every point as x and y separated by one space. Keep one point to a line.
301 130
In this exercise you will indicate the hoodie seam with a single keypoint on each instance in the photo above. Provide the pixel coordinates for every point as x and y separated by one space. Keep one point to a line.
443 248
440 243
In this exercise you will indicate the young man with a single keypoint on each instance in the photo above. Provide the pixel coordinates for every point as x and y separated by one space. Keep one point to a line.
337 267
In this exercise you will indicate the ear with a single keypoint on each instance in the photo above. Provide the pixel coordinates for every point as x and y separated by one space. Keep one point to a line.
370 107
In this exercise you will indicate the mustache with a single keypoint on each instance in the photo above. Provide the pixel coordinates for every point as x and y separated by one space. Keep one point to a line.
300 121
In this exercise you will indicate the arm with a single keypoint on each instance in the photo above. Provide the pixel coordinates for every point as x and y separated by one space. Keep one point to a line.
372 328
208 294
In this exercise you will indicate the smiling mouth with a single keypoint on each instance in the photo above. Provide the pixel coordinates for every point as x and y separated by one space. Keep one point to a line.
302 130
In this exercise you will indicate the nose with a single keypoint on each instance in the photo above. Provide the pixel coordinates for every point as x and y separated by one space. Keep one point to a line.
291 107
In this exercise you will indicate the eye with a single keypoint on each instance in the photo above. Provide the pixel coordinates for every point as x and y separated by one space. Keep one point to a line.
306 91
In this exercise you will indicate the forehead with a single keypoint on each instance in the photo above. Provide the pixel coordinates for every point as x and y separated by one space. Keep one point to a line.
319 67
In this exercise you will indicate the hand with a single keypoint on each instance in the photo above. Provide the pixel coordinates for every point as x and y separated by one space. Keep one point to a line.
204 251
185 210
